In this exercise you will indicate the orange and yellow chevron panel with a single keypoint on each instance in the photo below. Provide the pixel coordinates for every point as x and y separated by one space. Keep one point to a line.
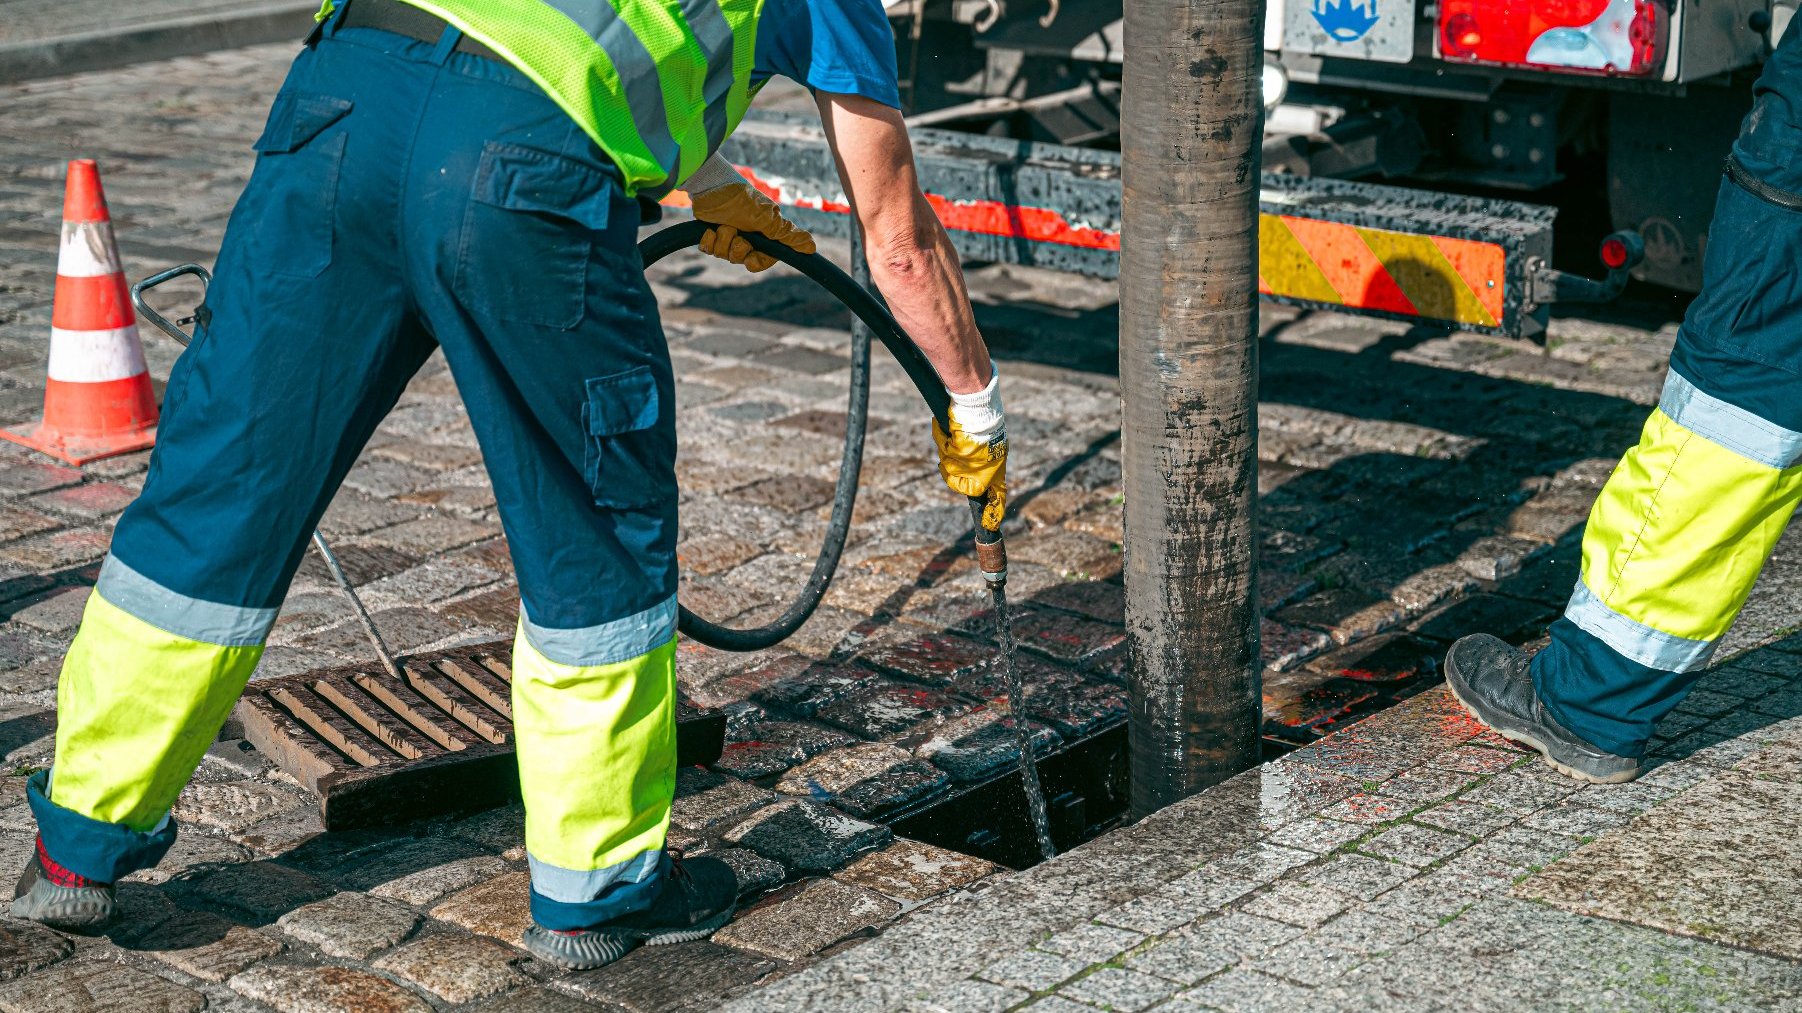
1459 281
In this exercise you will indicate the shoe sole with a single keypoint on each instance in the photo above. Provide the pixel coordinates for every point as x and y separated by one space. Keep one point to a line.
1527 739
611 949
701 931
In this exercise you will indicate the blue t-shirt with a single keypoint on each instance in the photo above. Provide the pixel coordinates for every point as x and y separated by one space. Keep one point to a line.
840 46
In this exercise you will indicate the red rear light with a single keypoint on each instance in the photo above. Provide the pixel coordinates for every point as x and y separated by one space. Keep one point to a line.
1580 36
1614 253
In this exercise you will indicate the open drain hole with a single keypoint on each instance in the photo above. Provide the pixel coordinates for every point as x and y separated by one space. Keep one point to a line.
1087 793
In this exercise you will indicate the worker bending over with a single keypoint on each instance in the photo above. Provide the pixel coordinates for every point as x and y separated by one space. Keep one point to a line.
469 175
1690 515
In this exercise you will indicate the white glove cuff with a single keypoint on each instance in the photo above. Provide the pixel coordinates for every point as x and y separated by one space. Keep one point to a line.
979 414
713 174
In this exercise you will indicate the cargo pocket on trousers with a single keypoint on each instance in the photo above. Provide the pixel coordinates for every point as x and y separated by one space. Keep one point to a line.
631 457
294 192
529 234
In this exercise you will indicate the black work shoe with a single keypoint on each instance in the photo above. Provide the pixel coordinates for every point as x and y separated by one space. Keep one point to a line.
1491 680
52 895
698 897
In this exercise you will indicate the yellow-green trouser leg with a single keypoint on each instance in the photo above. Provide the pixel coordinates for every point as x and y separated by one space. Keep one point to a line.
137 707
597 764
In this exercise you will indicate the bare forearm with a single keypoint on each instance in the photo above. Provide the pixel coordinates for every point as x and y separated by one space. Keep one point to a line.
914 265
911 258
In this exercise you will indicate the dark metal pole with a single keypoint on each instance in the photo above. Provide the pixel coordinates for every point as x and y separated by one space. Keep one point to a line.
1190 140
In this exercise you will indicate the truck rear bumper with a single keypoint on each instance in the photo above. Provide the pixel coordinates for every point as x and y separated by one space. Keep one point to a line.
1459 262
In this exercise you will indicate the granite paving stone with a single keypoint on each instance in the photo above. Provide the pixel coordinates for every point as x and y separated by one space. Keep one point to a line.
207 946
1412 844
1575 820
232 805
327 989
705 800
1092 943
1519 791
457 969
1244 991
863 779
1297 903
754 872
497 908
677 979
1178 902
535 1000
975 746
1311 961
1116 988
882 709
813 917
912 872
1033 970
1184 959
771 747
98 987
969 996
1504 954
26 947
258 891
1720 866
807 837
428 885
1319 835
352 925
1471 818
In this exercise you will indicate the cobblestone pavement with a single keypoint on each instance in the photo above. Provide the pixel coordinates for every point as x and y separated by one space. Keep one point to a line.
1416 487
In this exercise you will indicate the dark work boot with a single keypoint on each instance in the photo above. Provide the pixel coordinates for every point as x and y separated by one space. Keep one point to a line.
1491 680
698 897
52 895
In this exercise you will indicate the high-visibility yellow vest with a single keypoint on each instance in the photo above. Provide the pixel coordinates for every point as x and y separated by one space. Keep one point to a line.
658 84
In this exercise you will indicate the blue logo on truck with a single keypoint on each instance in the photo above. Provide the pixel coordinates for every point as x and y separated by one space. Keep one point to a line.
1345 20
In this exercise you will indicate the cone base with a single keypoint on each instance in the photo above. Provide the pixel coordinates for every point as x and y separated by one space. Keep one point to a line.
79 450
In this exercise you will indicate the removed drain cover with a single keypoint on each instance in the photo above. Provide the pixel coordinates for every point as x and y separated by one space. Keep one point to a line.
380 750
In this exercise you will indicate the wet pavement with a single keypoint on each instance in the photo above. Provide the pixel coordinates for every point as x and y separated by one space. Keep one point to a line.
1416 486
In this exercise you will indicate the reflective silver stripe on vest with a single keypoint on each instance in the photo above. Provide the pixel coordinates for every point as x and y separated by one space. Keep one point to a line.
190 618
637 74
708 23
1634 640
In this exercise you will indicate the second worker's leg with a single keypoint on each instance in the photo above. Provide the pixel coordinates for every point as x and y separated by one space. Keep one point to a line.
1686 522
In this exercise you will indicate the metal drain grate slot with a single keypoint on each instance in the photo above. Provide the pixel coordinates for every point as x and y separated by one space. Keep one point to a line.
381 750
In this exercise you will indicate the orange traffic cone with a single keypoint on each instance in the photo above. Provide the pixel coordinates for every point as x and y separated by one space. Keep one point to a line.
98 401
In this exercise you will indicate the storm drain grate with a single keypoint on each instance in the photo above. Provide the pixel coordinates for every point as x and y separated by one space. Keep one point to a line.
378 749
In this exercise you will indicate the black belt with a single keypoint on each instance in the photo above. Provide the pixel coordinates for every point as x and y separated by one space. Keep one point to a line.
406 19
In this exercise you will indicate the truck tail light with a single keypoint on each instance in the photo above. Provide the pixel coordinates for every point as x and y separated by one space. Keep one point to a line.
1625 37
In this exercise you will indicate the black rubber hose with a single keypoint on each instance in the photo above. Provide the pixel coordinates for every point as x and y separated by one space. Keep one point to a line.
877 320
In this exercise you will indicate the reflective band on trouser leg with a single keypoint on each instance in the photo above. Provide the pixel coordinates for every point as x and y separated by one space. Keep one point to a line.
597 764
1674 543
145 688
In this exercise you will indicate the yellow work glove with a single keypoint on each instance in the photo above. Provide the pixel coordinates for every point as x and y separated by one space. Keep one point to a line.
973 455
739 207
